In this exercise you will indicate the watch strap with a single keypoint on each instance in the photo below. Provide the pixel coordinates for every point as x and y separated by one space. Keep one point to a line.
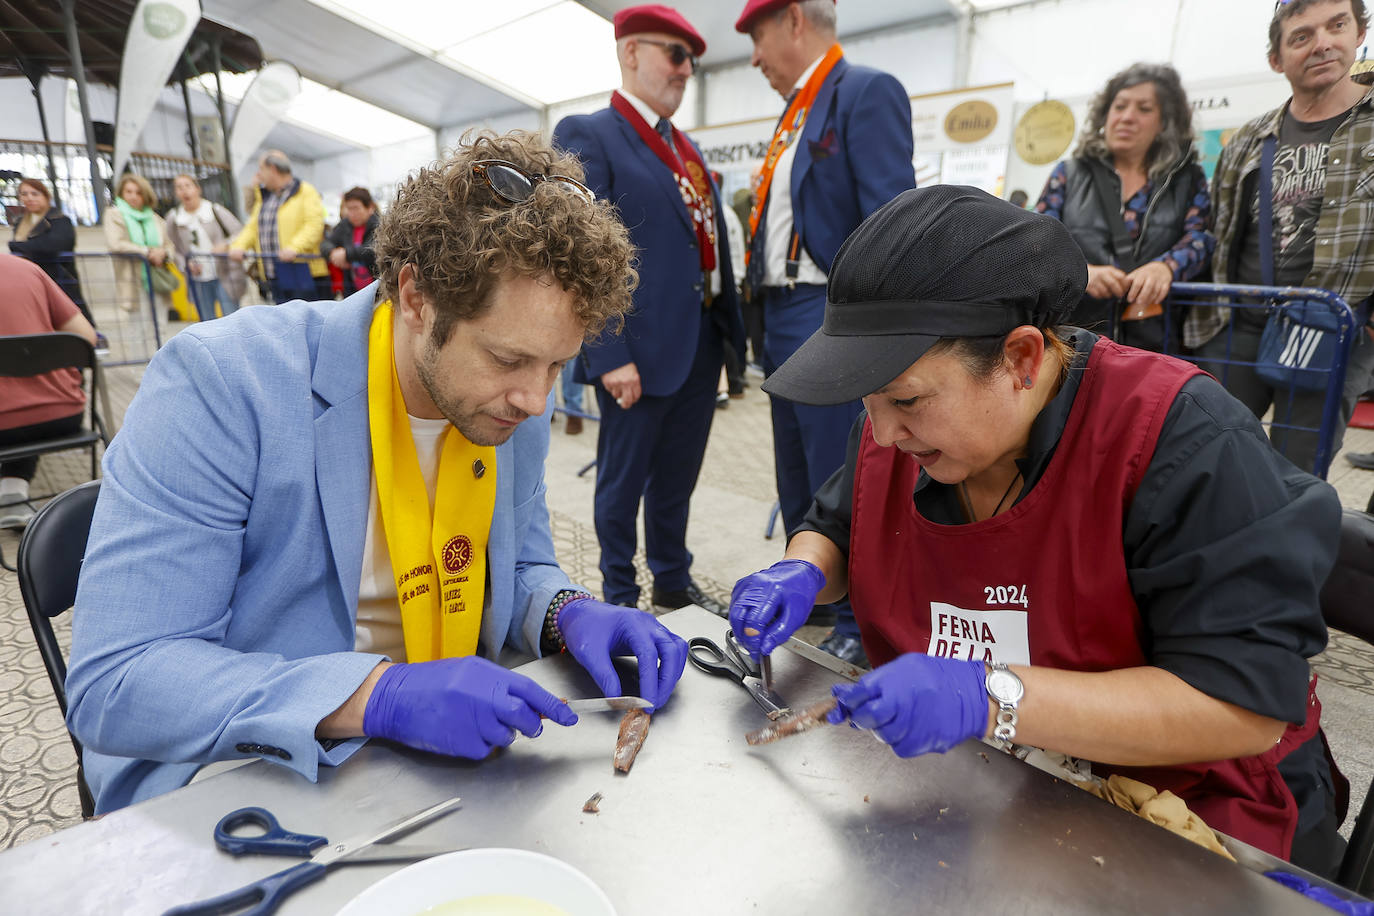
1005 721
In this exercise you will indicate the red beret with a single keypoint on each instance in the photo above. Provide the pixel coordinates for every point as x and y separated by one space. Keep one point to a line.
756 8
655 17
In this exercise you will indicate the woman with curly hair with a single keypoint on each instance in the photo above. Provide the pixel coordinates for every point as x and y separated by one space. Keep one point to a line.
1135 200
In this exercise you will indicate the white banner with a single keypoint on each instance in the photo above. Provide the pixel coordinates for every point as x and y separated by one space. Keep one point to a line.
962 119
974 125
73 126
263 106
157 35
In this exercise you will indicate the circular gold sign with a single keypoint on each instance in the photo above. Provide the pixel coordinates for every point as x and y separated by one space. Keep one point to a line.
969 122
1045 131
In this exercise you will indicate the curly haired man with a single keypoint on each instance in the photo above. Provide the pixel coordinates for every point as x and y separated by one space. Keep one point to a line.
322 522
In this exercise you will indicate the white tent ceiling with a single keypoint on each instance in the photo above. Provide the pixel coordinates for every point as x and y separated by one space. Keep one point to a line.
396 66
444 65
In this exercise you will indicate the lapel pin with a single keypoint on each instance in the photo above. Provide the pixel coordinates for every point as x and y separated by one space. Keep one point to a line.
479 469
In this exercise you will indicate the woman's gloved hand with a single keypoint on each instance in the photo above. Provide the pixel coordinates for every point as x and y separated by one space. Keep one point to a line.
768 606
1322 895
594 631
917 703
462 707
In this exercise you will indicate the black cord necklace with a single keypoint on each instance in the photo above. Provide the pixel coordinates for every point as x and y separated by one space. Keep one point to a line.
968 500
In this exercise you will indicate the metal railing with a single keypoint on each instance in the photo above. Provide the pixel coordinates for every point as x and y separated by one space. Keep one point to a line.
1235 351
116 292
71 167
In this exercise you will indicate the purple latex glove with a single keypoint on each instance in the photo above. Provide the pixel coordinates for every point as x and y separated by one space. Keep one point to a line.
462 707
773 603
594 631
1322 895
917 703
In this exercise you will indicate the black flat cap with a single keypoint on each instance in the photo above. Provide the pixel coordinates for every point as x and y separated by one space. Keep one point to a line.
942 261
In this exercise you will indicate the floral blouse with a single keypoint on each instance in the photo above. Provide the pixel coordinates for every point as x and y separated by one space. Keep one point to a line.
1189 255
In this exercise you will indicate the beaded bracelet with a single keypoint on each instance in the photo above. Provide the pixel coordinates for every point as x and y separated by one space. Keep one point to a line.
552 637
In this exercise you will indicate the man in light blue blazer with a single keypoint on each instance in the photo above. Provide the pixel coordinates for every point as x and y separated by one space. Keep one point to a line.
240 532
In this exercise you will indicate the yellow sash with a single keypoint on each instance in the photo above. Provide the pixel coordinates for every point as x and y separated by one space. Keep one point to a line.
441 614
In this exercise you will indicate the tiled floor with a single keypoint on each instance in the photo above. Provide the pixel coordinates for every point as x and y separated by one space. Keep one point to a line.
730 510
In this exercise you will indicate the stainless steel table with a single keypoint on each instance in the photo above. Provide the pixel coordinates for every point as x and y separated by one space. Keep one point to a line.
826 822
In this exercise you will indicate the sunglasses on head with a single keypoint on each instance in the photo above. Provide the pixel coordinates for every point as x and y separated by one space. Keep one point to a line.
677 54
514 184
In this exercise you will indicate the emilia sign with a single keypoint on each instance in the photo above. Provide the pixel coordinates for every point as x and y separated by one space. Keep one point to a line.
971 121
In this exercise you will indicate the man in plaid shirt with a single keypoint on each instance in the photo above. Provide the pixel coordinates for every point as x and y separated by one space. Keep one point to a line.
1323 206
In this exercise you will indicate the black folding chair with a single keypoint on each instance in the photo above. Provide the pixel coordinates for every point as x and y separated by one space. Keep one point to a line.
50 556
38 354
1347 603
28 355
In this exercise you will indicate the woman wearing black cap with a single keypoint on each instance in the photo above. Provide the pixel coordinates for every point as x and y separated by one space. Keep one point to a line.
1052 539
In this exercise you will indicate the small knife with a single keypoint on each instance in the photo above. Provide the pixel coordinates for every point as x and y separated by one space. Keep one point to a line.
607 704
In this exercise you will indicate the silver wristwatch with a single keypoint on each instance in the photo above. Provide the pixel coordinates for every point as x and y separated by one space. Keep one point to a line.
1006 691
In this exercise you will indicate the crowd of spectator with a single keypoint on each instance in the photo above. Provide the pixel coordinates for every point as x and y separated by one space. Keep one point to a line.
1140 207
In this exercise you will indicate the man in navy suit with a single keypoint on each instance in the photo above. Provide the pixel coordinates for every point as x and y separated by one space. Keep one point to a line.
841 150
655 378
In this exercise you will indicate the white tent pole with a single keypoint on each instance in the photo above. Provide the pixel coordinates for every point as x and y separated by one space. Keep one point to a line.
963 48
1178 23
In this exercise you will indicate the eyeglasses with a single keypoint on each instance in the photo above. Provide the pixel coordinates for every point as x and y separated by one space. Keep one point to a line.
514 185
677 54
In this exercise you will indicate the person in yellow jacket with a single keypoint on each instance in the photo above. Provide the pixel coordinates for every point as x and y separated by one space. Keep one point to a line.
286 228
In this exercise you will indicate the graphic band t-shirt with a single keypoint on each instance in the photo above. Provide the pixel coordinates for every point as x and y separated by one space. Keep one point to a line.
1299 184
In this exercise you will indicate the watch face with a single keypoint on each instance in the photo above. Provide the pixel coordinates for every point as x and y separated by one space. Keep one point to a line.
1005 687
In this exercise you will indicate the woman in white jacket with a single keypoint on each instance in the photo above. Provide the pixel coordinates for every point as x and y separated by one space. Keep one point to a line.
201 231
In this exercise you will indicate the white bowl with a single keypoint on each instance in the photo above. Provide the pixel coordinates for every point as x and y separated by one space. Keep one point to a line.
477 872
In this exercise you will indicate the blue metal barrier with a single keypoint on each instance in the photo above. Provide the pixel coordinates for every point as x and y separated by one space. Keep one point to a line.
1239 350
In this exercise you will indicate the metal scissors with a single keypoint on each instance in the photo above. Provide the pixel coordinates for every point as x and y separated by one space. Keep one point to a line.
268 893
734 663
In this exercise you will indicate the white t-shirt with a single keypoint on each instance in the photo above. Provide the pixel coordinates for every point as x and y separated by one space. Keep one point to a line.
778 225
196 224
378 628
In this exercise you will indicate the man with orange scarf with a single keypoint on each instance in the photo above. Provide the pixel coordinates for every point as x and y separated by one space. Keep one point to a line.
360 529
841 150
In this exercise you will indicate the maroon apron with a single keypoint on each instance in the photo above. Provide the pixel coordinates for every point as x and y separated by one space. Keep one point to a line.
1045 582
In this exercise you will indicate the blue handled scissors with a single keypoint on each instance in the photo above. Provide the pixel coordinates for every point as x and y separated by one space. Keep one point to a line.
265 895
734 663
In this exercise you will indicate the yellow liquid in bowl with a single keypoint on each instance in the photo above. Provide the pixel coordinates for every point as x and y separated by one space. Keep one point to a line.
495 905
